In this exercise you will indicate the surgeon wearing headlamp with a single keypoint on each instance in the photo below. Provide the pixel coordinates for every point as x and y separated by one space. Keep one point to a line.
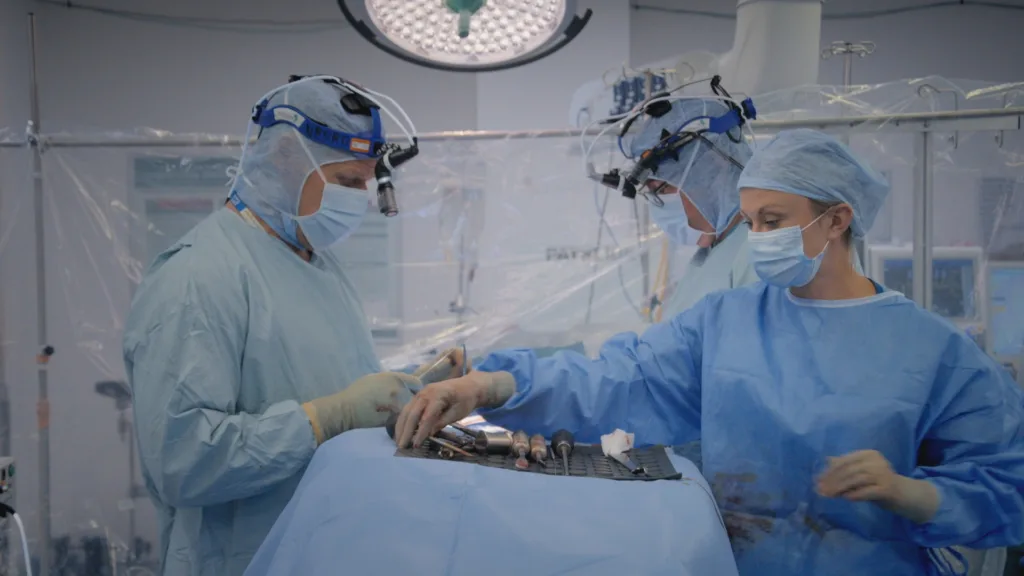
246 346
693 192
845 430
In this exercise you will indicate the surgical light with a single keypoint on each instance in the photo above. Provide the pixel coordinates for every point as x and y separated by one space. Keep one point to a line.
466 35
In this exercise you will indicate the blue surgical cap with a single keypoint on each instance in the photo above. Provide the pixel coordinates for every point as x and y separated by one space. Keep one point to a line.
710 182
815 165
276 165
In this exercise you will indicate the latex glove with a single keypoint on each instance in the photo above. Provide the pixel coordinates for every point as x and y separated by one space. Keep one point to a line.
866 476
456 366
366 403
443 403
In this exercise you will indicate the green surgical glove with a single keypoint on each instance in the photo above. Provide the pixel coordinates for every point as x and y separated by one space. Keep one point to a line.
366 403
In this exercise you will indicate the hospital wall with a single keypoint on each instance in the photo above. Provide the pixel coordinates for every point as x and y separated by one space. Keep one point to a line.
100 73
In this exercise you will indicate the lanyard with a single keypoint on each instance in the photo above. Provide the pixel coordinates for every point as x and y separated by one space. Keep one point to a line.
243 210
250 218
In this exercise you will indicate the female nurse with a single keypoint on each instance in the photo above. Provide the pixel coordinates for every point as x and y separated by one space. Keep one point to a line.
844 429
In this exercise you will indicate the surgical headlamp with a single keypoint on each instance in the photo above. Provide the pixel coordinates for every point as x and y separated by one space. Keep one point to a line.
670 144
366 144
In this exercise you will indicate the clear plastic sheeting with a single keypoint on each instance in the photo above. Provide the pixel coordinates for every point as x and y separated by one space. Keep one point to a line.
501 241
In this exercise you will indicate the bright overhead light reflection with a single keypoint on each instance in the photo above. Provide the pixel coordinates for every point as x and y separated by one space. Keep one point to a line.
467 34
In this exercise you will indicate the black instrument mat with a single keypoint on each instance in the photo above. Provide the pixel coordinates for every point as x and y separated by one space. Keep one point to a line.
586 461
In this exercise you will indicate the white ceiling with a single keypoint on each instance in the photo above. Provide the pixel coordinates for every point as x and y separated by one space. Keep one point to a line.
831 6
303 10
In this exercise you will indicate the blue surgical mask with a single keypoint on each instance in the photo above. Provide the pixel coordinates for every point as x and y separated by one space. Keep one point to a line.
341 211
778 256
671 218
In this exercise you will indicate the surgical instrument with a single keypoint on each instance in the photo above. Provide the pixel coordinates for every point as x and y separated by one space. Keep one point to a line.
625 460
563 443
494 442
467 431
438 370
539 449
390 425
444 438
457 438
446 445
521 447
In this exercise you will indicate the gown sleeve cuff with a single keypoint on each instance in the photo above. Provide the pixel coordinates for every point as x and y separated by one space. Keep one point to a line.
946 527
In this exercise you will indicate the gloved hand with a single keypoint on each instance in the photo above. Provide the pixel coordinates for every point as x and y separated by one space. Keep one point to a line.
440 404
457 365
366 403
866 476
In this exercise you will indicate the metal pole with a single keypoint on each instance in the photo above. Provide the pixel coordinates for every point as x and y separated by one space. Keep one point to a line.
5 424
43 407
644 213
130 426
859 245
6 537
992 119
848 50
848 71
922 266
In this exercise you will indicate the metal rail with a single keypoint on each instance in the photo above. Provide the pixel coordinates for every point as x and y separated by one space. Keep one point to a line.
951 121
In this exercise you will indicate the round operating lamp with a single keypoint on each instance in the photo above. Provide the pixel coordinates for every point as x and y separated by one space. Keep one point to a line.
466 35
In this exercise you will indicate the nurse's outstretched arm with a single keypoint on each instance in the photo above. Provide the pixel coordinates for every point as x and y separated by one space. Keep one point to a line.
184 363
973 453
649 385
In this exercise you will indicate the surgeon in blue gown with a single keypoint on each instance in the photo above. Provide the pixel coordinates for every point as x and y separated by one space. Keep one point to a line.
246 345
698 194
845 430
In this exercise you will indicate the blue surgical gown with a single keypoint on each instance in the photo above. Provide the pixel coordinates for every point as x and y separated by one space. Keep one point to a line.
773 385
228 333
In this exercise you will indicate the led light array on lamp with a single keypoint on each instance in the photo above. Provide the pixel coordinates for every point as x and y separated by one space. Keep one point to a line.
500 30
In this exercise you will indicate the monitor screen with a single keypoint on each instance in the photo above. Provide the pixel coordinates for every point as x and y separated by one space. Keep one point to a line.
1006 312
952 284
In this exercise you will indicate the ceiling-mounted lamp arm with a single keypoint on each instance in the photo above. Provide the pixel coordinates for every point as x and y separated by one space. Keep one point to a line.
572 30
370 37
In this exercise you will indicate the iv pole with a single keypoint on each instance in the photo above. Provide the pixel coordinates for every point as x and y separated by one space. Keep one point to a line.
46 351
644 214
460 305
5 422
848 50
466 270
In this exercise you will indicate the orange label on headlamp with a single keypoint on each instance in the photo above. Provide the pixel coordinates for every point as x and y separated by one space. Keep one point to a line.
359 145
